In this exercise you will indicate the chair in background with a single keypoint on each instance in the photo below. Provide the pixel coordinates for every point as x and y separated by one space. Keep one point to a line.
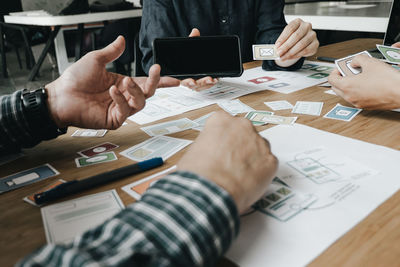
15 37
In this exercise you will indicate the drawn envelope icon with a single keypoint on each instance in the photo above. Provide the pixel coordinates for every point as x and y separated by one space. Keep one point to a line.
266 52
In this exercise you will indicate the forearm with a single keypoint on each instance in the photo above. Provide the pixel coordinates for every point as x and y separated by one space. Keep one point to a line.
182 220
17 129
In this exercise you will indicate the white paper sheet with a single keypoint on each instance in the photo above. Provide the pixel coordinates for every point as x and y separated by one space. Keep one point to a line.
265 241
65 220
285 82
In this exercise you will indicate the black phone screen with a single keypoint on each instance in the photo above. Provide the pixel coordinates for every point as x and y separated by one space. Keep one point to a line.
195 57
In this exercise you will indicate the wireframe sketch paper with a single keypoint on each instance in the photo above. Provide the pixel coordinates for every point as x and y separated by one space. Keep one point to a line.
65 220
349 179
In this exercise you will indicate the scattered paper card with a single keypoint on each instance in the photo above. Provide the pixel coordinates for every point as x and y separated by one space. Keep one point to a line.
344 64
93 151
138 188
202 121
159 146
327 84
31 198
276 119
308 108
264 52
342 113
30 176
392 54
330 92
282 202
100 158
169 127
234 107
89 133
256 117
64 221
279 105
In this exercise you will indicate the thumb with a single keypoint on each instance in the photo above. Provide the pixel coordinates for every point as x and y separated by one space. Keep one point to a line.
194 33
112 51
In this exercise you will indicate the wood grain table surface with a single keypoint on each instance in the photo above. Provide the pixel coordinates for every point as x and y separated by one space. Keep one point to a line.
373 242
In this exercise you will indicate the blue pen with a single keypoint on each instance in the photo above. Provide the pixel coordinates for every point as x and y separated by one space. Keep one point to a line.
76 186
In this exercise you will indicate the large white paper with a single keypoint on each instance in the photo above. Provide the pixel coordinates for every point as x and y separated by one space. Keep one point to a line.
172 101
286 82
63 221
266 241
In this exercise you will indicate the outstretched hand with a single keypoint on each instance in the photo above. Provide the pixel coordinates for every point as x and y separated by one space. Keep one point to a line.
87 95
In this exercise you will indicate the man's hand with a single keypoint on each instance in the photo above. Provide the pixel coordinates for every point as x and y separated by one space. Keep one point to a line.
397 45
297 40
233 155
203 83
87 95
376 87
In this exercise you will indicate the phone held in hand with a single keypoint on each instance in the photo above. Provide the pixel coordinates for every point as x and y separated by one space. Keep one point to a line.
197 57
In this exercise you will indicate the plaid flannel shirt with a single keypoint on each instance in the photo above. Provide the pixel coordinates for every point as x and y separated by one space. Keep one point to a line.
183 220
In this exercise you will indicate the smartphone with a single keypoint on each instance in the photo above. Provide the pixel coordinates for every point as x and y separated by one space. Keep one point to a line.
197 57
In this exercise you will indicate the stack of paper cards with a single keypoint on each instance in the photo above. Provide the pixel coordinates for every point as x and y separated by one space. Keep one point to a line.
392 54
264 52
283 203
30 176
202 121
97 154
342 113
344 64
169 127
234 107
89 133
279 105
64 221
159 146
256 117
138 188
308 108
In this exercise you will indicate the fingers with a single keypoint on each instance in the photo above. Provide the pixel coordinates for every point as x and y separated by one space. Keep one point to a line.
297 40
397 45
336 79
201 84
152 81
288 31
194 33
122 107
112 51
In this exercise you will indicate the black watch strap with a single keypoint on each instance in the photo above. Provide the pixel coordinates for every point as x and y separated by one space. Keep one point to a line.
37 114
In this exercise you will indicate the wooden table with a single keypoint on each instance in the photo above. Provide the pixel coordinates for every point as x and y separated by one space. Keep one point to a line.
375 241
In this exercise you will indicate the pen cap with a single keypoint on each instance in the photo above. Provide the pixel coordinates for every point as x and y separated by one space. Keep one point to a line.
150 164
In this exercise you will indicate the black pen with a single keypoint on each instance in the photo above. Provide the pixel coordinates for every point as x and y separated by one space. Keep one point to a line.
327 59
76 186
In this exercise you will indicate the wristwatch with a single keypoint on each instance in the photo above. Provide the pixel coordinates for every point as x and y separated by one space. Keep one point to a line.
38 116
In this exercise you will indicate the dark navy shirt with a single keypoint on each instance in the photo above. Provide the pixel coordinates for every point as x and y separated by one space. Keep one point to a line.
254 21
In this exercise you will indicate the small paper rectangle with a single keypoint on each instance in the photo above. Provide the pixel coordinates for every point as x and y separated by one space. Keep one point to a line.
234 107
264 52
255 116
279 105
89 133
344 64
342 113
308 108
97 159
169 127
159 146
26 177
138 188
